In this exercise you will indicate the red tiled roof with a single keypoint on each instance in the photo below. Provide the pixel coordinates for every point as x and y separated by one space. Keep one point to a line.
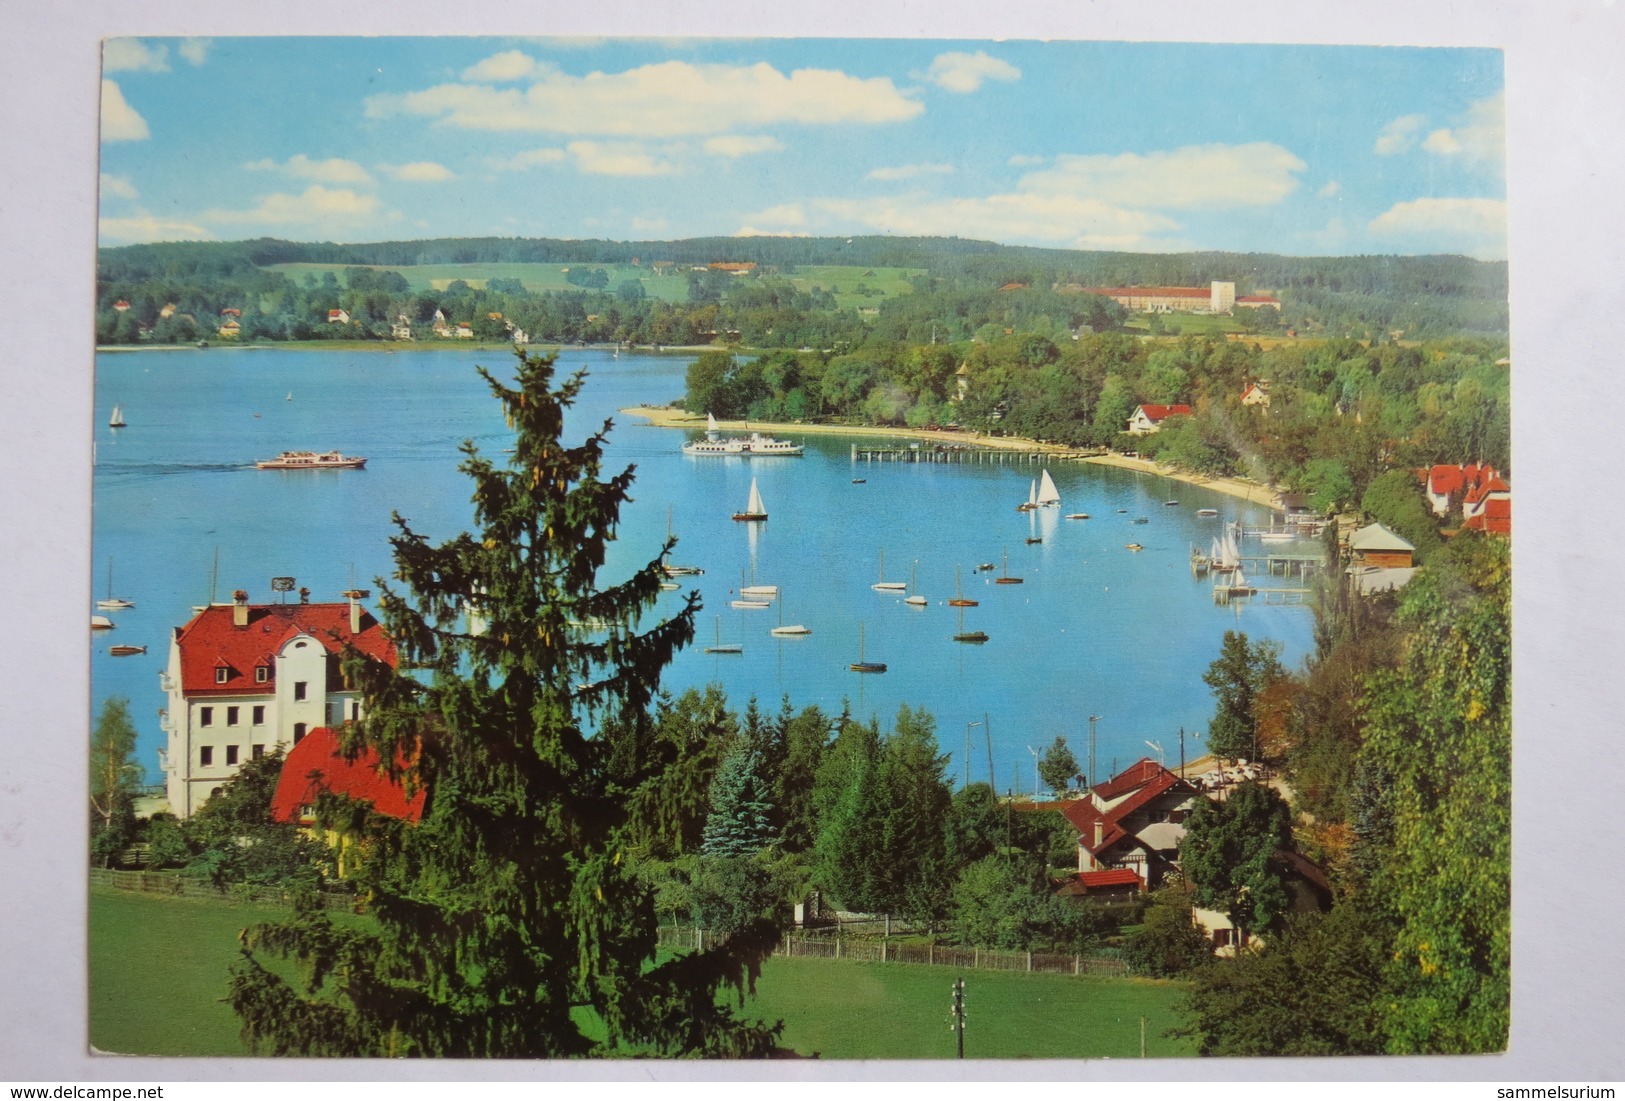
317 764
1111 877
1496 517
211 640
1445 480
1262 299
1142 782
1161 412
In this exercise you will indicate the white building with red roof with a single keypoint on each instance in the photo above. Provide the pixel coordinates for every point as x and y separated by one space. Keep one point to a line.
244 680
1133 822
1148 418
1216 297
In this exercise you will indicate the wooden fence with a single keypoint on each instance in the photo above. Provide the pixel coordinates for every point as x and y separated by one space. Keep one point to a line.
871 950
169 883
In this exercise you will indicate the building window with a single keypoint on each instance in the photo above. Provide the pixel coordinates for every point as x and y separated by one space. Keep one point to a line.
257 752
231 716
262 673
220 674
205 755
231 755
298 733
205 716
259 714
298 689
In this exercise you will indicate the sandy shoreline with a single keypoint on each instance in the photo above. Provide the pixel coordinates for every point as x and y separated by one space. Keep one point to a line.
665 417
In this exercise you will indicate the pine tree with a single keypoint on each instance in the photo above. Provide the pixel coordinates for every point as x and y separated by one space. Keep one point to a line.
741 820
508 918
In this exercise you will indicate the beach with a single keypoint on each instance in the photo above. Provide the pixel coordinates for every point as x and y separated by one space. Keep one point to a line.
1256 492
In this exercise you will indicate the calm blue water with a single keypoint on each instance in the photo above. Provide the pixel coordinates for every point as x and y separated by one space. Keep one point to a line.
1095 629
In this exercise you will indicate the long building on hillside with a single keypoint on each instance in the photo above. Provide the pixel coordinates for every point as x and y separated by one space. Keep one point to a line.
1217 297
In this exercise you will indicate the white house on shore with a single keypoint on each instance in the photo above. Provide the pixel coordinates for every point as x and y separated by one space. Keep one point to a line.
1148 418
244 680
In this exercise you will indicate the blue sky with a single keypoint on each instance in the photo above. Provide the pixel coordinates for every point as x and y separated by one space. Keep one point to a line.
1144 147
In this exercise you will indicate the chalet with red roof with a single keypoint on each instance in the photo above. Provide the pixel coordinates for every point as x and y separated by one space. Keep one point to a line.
1484 497
1148 418
1257 393
1132 822
244 680
338 317
318 765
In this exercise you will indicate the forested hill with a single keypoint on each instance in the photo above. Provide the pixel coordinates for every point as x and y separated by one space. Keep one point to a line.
798 291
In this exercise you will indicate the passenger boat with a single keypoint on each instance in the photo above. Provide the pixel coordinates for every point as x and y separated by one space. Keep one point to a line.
311 460
125 650
1077 516
682 571
755 510
755 444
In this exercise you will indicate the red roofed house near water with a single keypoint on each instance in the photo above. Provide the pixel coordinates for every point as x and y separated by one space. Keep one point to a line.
244 680
318 764
1134 822
1149 418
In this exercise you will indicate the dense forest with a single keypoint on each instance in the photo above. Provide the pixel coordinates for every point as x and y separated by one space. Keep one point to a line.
956 296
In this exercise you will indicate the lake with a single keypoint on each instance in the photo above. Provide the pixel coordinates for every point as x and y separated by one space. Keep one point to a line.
181 516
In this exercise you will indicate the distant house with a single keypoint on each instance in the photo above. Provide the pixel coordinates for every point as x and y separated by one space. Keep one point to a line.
1111 885
732 268
1014 287
1149 418
1257 301
1375 545
231 311
167 311
338 317
1216 297
231 330
1257 393
520 336
121 305
1483 495
1306 883
402 329
438 325
1133 822
464 331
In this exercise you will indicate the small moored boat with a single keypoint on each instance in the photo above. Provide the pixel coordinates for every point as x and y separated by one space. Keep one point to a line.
861 665
125 650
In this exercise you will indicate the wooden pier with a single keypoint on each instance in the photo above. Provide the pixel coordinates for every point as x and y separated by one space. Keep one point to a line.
1227 594
956 454
1283 565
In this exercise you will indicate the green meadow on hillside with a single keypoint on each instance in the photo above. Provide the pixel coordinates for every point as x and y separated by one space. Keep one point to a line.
158 974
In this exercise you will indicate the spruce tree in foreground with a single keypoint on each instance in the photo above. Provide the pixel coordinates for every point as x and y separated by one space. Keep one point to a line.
509 923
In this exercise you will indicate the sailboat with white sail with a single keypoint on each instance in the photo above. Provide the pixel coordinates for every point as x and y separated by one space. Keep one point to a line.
755 510
117 419
1047 495
1031 502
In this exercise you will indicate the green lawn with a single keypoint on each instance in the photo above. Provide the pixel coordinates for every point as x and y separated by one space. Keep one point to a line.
846 283
158 972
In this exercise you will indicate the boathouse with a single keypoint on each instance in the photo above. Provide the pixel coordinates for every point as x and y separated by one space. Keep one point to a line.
1374 545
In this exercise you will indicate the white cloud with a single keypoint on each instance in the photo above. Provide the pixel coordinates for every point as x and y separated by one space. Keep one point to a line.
1476 227
120 121
194 50
131 55
1481 137
962 72
1330 190
669 99
1046 219
1024 160
328 209
503 67
1399 135
118 187
1193 177
777 219
910 171
648 225
740 145
618 159
334 171
418 172
530 158
145 228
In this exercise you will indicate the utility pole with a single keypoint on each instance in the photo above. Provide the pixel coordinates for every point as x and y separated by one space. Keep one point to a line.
956 1015
968 727
987 729
1093 778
